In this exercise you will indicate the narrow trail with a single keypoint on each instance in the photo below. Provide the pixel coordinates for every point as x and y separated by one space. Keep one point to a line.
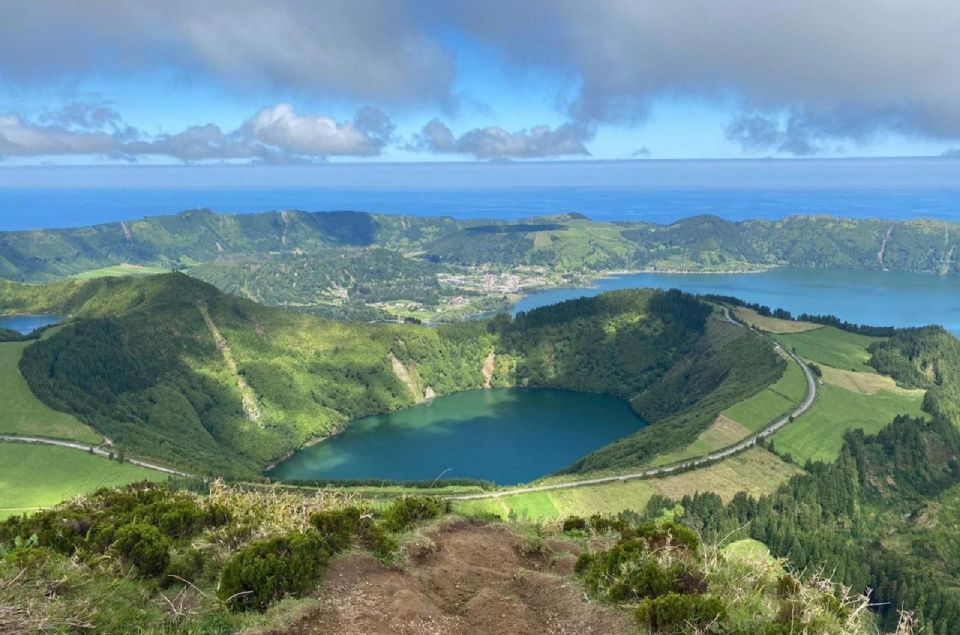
88 448
680 465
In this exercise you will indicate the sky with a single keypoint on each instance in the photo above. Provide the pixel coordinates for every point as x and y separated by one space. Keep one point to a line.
294 81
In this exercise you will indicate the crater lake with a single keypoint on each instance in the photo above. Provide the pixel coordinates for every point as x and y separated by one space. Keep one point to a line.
504 435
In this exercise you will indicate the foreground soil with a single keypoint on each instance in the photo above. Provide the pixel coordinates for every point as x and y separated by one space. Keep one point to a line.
462 577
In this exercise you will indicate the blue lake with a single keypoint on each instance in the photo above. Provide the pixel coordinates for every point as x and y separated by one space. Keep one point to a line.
27 323
882 298
508 435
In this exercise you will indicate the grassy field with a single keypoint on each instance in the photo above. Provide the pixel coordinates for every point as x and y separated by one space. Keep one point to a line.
832 347
865 383
775 401
22 413
755 471
772 324
745 418
121 270
35 476
721 433
818 434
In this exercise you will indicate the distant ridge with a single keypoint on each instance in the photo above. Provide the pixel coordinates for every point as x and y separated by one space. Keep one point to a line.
564 242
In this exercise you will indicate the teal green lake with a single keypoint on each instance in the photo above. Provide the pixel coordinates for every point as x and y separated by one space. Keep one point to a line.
881 298
505 435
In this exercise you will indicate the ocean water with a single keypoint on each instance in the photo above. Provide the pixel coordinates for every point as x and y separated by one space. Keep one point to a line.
657 191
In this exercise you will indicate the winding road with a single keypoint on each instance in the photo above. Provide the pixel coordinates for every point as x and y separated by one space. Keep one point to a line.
88 448
681 465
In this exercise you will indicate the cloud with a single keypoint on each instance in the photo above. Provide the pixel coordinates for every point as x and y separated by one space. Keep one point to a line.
85 115
19 137
496 143
843 68
365 49
274 134
280 127
640 153
759 133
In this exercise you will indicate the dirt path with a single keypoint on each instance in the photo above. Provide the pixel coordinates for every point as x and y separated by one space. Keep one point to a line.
250 408
681 465
463 578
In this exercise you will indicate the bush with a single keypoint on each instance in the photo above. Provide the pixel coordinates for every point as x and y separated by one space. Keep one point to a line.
660 536
182 518
407 511
646 580
338 526
603 524
583 563
266 571
378 539
675 613
574 523
143 546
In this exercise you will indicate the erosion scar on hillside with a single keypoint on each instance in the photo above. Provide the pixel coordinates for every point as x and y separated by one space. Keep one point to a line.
250 408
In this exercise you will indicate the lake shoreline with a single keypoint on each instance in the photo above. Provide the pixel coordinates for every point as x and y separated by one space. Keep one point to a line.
495 434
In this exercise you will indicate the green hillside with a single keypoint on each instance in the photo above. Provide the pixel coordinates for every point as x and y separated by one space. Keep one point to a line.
168 367
353 265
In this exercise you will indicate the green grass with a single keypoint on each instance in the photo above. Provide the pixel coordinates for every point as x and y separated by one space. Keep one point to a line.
35 476
771 403
748 416
831 346
748 550
755 471
22 413
818 434
123 270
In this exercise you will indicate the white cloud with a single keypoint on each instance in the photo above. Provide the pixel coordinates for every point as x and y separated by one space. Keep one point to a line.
275 133
496 143
313 135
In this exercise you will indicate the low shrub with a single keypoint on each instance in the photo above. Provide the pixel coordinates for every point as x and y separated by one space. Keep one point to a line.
666 535
268 570
604 524
187 564
338 526
407 511
143 546
376 538
574 523
675 613
181 518
646 579
583 563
